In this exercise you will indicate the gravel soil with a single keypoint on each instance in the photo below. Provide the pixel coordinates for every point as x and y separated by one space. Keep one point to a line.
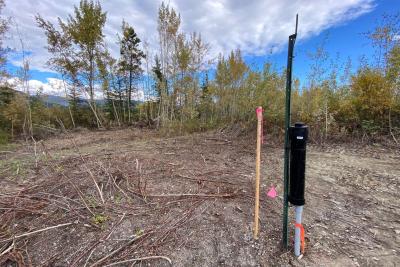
133 198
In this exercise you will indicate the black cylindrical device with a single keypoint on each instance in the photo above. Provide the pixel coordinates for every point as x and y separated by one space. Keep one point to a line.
298 135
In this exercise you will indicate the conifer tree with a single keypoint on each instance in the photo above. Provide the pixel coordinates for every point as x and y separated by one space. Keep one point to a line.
131 60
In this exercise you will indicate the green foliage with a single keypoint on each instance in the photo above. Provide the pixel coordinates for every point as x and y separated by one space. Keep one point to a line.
118 199
4 137
372 96
77 49
139 232
159 84
182 99
370 127
393 73
129 67
15 112
86 26
131 55
6 96
100 219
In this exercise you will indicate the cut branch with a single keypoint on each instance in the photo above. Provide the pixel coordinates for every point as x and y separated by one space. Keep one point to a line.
35 232
141 259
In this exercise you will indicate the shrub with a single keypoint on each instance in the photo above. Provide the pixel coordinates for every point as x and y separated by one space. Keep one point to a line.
4 137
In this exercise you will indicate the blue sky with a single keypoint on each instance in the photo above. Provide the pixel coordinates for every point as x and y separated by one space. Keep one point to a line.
346 40
254 26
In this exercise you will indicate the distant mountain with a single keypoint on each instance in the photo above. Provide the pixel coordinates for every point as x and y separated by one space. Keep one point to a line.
7 93
62 101
49 100
55 100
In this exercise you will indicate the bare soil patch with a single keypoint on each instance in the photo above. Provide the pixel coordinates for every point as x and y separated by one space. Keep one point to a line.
99 198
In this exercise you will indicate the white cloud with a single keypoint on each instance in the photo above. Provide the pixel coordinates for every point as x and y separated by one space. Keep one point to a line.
53 86
254 26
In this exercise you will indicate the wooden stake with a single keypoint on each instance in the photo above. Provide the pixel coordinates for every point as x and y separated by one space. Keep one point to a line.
258 159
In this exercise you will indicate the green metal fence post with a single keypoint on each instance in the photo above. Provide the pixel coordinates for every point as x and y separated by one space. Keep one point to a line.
292 40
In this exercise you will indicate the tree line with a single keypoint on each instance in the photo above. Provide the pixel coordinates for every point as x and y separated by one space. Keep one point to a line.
185 91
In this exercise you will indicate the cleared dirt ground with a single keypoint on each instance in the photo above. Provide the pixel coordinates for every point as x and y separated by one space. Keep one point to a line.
113 196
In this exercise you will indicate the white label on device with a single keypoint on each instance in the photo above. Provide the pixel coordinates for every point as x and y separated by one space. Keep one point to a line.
299 137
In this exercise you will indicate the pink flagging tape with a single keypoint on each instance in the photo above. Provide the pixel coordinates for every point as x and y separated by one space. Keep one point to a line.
259 111
272 193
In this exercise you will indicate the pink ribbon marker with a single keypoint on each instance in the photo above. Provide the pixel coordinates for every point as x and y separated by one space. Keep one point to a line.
272 192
